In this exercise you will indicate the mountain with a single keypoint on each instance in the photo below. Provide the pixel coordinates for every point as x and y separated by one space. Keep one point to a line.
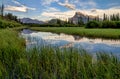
34 21
82 17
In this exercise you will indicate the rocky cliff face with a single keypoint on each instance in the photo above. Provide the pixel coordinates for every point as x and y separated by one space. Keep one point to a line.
81 17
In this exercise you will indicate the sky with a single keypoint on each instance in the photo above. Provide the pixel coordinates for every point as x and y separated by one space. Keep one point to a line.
62 9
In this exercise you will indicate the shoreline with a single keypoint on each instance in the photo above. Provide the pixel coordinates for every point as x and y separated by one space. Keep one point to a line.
83 32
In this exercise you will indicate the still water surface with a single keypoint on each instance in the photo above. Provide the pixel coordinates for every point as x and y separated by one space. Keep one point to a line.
34 38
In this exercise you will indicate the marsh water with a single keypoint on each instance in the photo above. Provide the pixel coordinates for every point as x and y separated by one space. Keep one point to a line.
34 38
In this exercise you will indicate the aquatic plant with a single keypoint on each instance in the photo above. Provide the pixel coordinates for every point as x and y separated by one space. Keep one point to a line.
52 63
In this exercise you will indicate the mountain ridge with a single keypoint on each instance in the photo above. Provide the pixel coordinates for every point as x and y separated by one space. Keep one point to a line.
29 21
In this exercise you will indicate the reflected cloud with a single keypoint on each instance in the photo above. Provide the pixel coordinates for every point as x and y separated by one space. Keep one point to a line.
68 41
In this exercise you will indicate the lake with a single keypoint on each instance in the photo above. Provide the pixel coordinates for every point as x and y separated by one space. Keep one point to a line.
38 39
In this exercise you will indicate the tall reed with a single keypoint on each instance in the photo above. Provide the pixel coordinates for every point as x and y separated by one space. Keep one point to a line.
52 63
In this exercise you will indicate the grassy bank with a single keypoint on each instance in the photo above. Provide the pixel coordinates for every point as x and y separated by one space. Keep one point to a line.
8 24
94 33
50 63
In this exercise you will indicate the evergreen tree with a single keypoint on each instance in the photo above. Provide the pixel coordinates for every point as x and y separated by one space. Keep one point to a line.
88 19
104 17
10 16
2 10
117 17
111 18
98 18
114 17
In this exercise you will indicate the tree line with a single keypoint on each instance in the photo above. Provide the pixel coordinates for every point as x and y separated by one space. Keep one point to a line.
1 10
109 21
7 16
113 17
8 20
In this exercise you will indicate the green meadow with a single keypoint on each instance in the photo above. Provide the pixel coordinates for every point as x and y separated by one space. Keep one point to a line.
52 63
84 32
47 62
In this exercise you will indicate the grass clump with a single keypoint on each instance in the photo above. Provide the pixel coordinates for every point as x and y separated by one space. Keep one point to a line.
84 32
8 24
50 63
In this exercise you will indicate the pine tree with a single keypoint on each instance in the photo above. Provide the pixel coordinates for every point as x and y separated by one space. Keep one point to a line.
114 17
117 17
111 18
2 10
88 19
104 17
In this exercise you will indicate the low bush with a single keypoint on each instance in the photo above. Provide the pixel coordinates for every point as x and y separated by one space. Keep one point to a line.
117 24
108 24
104 24
52 25
93 24
10 24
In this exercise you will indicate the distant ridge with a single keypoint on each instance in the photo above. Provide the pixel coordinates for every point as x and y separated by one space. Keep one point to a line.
28 21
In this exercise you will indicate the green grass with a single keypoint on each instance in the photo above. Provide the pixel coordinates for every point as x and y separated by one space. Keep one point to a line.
93 33
8 24
52 63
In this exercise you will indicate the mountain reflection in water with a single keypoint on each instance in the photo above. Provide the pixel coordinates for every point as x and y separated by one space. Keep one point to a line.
67 41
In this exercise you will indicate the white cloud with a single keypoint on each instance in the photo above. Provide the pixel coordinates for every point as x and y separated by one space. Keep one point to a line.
88 4
15 8
100 12
48 2
113 4
20 8
116 7
51 9
71 4
60 15
67 14
52 12
29 8
67 5
16 2
84 4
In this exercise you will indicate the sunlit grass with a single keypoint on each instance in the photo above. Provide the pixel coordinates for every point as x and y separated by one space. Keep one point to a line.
93 33
52 63
8 24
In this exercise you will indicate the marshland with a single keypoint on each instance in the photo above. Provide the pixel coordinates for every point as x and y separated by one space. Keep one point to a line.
70 41
49 62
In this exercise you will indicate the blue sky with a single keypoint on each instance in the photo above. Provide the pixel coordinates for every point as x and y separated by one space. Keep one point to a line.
63 9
